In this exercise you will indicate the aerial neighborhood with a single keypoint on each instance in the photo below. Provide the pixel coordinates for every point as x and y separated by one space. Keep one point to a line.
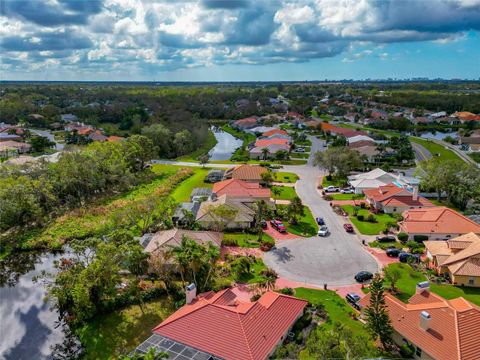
302 221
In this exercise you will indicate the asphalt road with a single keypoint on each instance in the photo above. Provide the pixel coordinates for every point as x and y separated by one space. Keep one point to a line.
421 154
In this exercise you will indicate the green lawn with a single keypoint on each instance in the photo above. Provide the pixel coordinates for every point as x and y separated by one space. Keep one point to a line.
286 192
333 181
337 308
254 276
299 155
347 196
284 177
385 244
247 240
118 333
183 191
306 226
365 227
434 148
409 279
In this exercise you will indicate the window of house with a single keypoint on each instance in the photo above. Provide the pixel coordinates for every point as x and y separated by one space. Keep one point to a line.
418 352
471 281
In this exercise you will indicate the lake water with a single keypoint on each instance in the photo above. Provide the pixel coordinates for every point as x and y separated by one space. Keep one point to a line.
438 135
28 325
226 145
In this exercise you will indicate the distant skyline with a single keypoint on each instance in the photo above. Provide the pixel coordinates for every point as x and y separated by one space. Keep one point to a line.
238 40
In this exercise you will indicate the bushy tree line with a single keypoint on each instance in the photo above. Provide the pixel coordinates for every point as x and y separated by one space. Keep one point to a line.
30 195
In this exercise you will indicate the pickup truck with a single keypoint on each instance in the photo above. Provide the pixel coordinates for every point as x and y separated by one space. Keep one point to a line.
331 188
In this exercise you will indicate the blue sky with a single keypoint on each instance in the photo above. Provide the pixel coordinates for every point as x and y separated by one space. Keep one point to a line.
239 40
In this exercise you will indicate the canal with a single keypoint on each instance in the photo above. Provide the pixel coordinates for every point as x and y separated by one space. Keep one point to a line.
226 145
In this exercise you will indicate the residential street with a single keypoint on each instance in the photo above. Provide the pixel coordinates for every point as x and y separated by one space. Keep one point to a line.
421 154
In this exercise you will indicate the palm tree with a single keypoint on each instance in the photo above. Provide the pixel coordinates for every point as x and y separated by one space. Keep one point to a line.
265 153
210 257
269 280
276 191
295 209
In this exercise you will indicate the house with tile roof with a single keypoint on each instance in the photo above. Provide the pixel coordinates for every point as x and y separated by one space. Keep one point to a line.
378 177
245 172
162 241
436 223
458 258
227 327
244 124
257 151
274 141
238 213
236 188
436 328
275 131
395 199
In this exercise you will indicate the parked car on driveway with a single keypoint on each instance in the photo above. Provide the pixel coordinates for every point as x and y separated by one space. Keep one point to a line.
393 252
347 191
331 188
300 150
278 225
353 300
320 221
388 238
348 228
363 276
323 231
406 257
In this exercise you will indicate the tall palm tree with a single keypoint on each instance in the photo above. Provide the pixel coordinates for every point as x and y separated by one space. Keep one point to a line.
265 153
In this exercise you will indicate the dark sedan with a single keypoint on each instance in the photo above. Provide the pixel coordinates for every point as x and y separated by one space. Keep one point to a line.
363 276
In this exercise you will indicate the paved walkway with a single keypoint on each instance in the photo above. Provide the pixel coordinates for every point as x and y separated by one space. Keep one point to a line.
283 184
281 202
348 202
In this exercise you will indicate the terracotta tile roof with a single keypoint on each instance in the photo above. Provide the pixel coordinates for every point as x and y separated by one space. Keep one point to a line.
115 138
361 143
274 141
240 188
164 239
392 195
275 131
453 330
244 212
246 172
438 248
437 220
224 326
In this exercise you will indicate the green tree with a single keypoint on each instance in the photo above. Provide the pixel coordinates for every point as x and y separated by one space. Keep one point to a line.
378 320
267 178
276 191
182 142
203 159
161 137
338 161
40 143
392 275
295 210
265 153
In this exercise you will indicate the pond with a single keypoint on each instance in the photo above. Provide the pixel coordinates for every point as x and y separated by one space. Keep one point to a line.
438 135
28 326
226 145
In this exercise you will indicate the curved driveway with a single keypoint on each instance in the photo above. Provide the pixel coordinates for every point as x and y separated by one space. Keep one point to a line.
334 259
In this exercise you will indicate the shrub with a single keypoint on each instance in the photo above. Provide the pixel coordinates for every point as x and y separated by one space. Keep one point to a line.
407 351
363 205
371 218
386 230
287 291
392 225
329 177
420 238
255 297
230 242
266 245
327 197
402 237
360 217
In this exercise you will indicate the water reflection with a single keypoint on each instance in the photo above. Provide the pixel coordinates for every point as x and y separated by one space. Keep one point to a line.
29 327
226 145
438 135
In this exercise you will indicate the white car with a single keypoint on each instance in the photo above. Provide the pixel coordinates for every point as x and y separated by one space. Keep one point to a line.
331 188
347 191
323 231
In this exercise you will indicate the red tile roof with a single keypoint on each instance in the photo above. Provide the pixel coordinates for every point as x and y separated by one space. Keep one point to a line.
222 325
275 131
392 195
115 138
240 188
246 172
437 220
341 131
274 141
453 330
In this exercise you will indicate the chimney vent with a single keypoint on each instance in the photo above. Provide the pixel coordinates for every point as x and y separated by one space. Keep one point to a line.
191 293
425 319
422 286
415 193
